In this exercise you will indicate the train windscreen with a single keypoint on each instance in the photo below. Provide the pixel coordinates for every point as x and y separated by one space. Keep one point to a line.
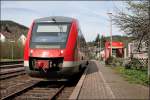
49 35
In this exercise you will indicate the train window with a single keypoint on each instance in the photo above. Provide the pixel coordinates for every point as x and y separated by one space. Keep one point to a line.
51 28
50 34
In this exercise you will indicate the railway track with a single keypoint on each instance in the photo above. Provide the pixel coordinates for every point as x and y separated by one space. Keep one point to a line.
41 90
10 69
10 92
11 62
23 87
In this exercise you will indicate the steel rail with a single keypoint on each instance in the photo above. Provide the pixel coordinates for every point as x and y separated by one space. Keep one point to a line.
11 66
14 94
57 93
11 70
6 76
10 62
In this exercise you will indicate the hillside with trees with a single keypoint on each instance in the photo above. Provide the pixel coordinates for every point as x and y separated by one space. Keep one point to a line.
102 39
12 30
11 48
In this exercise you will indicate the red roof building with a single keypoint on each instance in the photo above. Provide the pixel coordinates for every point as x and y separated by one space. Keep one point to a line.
117 49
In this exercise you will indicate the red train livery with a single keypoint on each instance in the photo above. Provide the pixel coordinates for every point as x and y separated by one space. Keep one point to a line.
55 47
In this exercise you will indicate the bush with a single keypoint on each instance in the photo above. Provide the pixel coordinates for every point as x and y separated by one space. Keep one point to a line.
114 61
109 61
6 50
134 76
127 66
134 64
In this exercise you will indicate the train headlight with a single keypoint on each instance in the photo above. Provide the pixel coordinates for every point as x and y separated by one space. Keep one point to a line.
31 51
61 51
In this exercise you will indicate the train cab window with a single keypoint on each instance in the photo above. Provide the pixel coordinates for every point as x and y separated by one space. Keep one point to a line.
49 35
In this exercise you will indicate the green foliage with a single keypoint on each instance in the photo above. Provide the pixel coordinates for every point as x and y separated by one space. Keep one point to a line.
109 61
103 40
131 64
7 48
113 61
134 71
97 38
12 31
134 20
134 76
123 39
135 64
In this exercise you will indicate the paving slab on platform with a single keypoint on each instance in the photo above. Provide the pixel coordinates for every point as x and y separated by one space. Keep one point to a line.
103 83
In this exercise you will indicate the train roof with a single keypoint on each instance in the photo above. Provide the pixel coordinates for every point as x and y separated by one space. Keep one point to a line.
54 18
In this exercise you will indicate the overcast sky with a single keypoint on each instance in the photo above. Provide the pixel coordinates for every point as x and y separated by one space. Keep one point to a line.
92 15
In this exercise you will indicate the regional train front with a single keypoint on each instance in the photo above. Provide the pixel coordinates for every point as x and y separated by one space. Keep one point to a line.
49 49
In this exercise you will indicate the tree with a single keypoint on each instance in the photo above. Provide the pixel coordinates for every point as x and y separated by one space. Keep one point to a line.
135 21
103 40
97 40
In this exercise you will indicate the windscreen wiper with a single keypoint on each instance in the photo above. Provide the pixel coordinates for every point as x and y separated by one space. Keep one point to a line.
53 19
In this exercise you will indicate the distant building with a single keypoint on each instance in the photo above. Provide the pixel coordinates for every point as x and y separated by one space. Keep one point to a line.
141 52
117 49
22 39
2 38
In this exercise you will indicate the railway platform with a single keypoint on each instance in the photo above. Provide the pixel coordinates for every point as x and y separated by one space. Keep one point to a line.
101 82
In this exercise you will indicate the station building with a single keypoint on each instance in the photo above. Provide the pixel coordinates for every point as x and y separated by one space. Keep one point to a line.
117 49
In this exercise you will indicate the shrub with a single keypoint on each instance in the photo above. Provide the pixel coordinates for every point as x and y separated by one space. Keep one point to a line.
109 60
134 64
134 76
114 61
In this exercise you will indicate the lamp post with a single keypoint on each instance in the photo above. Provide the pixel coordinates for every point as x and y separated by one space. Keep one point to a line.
12 50
100 46
110 16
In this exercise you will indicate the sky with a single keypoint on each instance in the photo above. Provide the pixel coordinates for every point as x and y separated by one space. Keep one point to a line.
92 15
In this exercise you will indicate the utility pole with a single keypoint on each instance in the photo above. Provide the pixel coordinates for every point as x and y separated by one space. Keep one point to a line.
110 16
100 46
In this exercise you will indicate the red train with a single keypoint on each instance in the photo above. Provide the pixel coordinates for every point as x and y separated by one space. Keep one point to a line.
55 47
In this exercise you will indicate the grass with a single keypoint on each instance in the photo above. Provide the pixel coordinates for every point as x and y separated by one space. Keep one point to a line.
133 75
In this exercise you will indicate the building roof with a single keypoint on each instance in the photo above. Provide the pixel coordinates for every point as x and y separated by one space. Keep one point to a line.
115 44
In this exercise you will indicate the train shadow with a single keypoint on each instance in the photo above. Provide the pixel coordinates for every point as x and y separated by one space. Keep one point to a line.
92 67
69 82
